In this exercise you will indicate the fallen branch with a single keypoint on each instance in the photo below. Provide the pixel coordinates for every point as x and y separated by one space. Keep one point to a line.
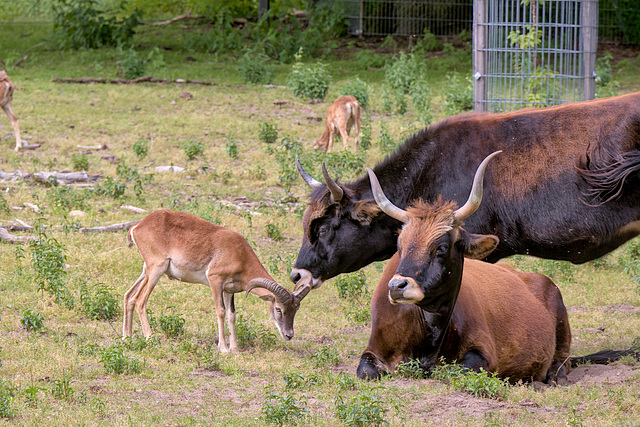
11 238
144 79
110 228
172 20
44 177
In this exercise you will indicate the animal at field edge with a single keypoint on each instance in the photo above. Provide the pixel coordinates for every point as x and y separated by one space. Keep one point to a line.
566 187
6 96
342 115
190 249
433 303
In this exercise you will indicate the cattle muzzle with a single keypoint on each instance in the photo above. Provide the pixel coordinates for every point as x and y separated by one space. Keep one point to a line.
404 290
302 275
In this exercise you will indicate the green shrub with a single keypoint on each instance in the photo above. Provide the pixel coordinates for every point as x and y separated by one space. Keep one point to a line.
80 162
285 155
249 332
365 133
4 206
386 142
310 81
32 320
141 148
358 312
62 389
110 188
131 65
64 199
358 89
366 59
479 384
458 94
232 147
172 325
410 369
351 286
99 304
192 149
428 43
116 361
361 410
48 259
405 77
7 397
299 381
268 132
254 69
281 410
606 86
326 356
274 232
80 24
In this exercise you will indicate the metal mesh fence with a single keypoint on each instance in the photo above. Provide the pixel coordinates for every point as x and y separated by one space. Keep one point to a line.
533 53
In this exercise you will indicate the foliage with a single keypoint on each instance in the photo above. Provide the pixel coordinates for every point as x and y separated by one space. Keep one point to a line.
458 94
273 232
99 304
299 381
365 133
386 142
281 410
351 286
192 149
32 320
221 38
361 410
479 384
116 361
404 78
62 389
110 188
80 24
358 89
7 397
367 59
80 162
286 154
606 86
345 382
268 132
131 64
131 174
232 146
326 356
410 369
310 81
253 67
249 332
48 259
140 148
4 206
64 199
172 324
428 43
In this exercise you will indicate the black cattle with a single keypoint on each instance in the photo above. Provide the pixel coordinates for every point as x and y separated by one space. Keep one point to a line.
566 187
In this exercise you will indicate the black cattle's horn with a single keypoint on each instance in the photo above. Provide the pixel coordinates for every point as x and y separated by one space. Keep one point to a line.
473 203
385 204
307 178
302 292
336 190
281 293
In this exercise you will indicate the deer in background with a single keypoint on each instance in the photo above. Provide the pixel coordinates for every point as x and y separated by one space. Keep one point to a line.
342 115
6 96
193 250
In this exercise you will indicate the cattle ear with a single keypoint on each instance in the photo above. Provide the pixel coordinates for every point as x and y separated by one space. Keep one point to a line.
479 246
365 210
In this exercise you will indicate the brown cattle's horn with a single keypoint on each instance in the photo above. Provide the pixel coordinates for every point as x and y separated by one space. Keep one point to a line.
281 293
307 178
385 204
302 292
475 197
336 190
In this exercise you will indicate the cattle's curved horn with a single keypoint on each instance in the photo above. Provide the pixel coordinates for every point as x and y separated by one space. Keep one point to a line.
473 203
302 292
281 293
385 204
336 190
307 178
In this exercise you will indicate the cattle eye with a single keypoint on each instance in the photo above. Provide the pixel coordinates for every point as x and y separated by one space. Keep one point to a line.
442 250
323 230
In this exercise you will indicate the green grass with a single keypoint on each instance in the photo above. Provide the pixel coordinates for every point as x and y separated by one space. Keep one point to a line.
63 374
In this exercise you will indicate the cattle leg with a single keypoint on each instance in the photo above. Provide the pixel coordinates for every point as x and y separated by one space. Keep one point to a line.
474 360
561 364
14 123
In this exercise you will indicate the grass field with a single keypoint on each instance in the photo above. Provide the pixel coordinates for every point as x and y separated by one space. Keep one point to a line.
64 372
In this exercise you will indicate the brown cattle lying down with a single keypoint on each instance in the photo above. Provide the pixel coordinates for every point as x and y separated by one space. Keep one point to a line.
342 115
6 96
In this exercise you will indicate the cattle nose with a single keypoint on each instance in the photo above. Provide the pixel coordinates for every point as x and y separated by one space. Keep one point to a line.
295 276
398 284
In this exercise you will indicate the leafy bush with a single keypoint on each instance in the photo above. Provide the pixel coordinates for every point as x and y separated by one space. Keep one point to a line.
351 286
80 24
365 133
80 162
361 410
410 369
48 260
366 59
172 325
192 149
232 147
141 148
32 320
254 69
605 85
310 81
428 43
100 304
458 94
286 154
358 89
116 361
249 332
479 384
65 199
386 142
405 77
326 356
62 389
281 410
110 188
131 64
274 232
7 396
268 132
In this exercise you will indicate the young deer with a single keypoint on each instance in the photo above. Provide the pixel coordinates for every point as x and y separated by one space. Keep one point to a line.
341 116
6 96
192 250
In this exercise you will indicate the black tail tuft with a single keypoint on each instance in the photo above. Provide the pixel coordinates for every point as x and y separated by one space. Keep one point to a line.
604 357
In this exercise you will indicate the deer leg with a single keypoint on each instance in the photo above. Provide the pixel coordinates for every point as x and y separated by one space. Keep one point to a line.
129 303
357 125
217 289
231 320
344 133
330 143
154 273
14 123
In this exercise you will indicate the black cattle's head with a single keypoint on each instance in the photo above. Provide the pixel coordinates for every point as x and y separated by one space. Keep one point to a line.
332 222
432 246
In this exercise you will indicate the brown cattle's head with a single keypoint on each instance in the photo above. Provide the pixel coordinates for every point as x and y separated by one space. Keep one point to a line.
332 222
432 246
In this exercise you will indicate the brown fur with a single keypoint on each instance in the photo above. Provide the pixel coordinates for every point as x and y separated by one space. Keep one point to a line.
343 114
6 96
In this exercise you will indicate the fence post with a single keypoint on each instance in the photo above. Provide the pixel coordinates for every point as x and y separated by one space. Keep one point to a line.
590 46
263 7
479 46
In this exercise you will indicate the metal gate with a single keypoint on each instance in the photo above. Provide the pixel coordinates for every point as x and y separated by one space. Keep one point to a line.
533 53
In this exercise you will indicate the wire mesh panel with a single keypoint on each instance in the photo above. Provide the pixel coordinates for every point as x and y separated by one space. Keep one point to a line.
533 53
408 17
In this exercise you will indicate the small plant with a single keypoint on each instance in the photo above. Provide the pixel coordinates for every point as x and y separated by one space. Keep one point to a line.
131 64
31 394
80 162
326 356
268 132
232 147
99 304
192 149
358 89
361 410
428 43
62 389
345 382
138 342
209 360
49 260
274 232
32 320
365 134
4 206
410 369
65 199
281 410
110 188
117 362
7 396
310 81
172 325
141 148
248 331
357 312
351 286
458 94
386 142
480 384
254 69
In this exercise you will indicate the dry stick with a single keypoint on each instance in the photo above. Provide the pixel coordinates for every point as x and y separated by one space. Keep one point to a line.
172 20
144 79
11 238
112 227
